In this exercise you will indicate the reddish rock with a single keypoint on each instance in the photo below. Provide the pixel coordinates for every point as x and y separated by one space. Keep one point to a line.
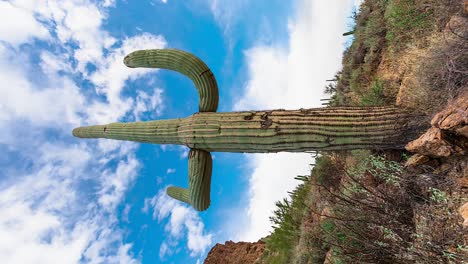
236 253
448 135
416 159
455 117
433 144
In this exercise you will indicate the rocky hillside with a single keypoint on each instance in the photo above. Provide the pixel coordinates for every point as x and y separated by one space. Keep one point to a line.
401 206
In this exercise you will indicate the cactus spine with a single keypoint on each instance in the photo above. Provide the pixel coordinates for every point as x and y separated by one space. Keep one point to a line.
331 128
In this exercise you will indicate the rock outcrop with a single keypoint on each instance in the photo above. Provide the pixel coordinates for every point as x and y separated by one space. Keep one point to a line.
448 135
236 253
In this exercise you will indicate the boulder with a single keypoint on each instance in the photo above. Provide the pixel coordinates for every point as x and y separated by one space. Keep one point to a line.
448 135
433 144
416 160
454 117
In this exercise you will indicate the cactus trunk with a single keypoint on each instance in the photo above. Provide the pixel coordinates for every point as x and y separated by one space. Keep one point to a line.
332 128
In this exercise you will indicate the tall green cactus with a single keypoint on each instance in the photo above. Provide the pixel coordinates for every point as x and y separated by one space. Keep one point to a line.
331 128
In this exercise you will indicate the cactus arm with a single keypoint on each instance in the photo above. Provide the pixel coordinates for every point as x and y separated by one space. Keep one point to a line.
178 193
182 62
198 192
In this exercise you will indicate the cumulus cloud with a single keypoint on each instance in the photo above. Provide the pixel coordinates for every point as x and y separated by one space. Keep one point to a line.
59 198
181 222
21 98
112 74
290 78
25 27
44 214
148 102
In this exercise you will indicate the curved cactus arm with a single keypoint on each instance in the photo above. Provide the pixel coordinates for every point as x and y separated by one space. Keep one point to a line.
198 192
182 62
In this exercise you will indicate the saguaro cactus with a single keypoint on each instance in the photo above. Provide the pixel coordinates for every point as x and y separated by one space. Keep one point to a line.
331 128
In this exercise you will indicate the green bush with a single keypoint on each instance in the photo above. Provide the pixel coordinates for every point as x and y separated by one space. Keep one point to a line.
405 21
326 171
376 96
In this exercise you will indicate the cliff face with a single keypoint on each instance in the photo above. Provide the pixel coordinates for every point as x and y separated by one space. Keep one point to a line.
236 253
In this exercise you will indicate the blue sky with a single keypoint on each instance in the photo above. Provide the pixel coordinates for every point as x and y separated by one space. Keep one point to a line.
66 200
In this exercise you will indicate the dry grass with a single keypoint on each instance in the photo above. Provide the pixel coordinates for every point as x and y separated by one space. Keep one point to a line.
435 75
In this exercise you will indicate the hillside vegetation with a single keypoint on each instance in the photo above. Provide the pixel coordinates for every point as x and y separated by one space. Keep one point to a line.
367 206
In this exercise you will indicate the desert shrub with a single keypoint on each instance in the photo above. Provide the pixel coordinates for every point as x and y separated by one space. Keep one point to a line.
444 76
376 95
440 74
379 216
361 59
327 170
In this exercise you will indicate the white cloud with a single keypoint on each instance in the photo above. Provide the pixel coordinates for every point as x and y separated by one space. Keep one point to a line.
59 199
290 78
183 222
111 76
45 215
21 99
115 183
24 28
51 64
126 212
184 151
170 171
272 176
294 77
85 32
146 103
164 250
226 12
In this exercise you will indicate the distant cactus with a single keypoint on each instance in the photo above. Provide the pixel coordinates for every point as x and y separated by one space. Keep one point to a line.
331 128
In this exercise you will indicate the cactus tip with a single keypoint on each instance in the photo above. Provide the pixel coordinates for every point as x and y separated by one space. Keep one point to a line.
76 132
127 61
